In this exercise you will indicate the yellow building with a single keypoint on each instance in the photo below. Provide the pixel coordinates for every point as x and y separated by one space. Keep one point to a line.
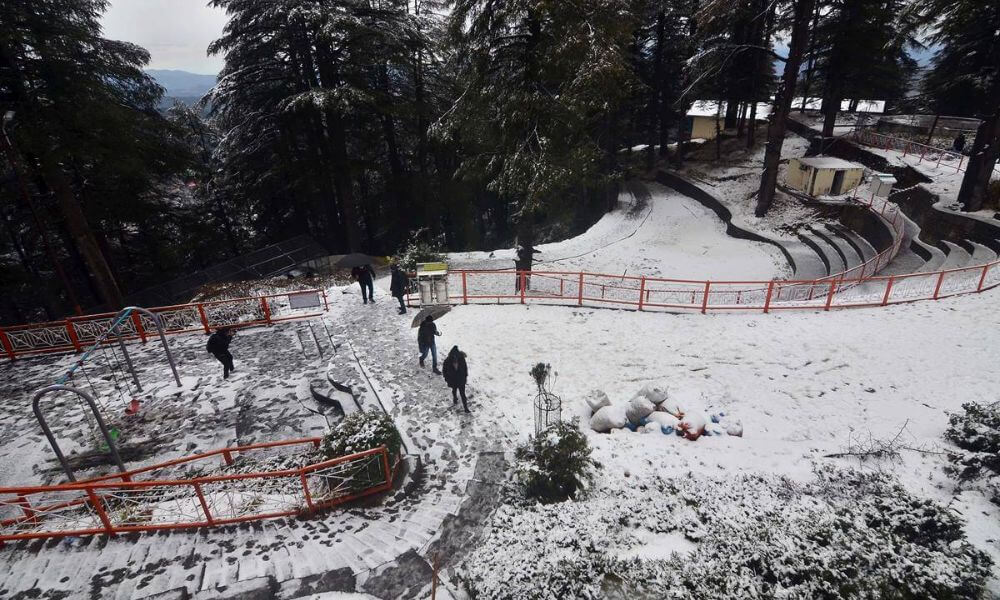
704 114
823 175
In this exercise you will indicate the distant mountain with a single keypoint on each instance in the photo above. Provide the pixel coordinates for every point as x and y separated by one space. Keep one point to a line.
182 85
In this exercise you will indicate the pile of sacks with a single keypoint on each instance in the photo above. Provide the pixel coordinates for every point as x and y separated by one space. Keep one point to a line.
652 410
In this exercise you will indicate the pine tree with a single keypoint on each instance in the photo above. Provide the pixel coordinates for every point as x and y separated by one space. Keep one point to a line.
965 80
543 83
87 128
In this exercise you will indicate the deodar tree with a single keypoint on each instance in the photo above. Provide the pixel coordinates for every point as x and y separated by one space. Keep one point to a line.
964 80
542 82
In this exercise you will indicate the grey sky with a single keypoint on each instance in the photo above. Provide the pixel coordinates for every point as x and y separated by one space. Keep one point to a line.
176 32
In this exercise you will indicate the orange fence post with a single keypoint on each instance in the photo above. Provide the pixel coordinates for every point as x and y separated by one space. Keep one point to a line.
937 288
137 321
767 299
204 318
326 304
99 507
579 298
829 297
204 504
305 491
465 288
979 288
386 468
961 158
642 291
7 346
71 331
524 279
227 456
266 309
704 300
888 290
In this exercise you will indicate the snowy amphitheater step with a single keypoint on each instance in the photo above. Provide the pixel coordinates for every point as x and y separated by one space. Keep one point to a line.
957 257
938 257
981 254
850 257
829 255
862 246
906 261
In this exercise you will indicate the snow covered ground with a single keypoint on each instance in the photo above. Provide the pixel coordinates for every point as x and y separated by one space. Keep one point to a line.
804 385
671 236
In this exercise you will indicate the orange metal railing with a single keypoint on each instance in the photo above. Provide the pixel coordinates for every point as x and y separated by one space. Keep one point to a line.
74 334
125 502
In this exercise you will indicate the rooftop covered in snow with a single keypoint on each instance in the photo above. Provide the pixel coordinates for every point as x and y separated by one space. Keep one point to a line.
829 162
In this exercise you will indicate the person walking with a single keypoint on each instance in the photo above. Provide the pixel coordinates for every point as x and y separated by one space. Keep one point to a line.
365 277
456 373
218 346
400 282
959 144
425 341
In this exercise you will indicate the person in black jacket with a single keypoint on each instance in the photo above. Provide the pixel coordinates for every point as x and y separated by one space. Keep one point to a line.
218 346
398 287
365 277
425 341
456 373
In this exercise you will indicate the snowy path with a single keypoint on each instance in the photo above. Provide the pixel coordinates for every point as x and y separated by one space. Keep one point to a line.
342 546
673 236
800 382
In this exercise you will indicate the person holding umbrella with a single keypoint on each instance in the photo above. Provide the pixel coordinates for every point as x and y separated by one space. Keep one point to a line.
426 343
398 286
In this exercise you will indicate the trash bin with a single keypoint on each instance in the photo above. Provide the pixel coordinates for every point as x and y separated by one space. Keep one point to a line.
426 292
441 290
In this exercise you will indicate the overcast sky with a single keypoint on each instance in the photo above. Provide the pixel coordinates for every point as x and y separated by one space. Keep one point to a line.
176 32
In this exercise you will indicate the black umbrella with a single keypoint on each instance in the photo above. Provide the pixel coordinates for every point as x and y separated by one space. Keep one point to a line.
434 311
356 259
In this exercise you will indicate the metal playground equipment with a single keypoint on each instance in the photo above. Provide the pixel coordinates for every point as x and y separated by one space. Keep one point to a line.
105 347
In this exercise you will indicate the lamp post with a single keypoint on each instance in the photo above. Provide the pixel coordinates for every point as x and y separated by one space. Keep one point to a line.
8 149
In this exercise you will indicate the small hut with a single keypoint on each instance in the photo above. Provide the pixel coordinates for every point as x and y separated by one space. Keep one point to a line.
823 175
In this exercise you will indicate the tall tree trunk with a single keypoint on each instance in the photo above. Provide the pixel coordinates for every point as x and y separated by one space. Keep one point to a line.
342 181
982 160
782 106
657 125
812 59
83 236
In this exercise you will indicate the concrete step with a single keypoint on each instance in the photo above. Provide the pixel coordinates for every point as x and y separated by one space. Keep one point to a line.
862 246
957 257
828 254
846 251
934 262
808 264
906 261
981 254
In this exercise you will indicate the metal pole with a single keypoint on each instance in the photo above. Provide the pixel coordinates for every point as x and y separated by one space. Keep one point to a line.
128 360
52 440
163 338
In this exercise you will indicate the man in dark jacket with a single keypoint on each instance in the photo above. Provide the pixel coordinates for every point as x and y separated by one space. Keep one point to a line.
398 287
425 341
365 277
218 346
959 144
456 373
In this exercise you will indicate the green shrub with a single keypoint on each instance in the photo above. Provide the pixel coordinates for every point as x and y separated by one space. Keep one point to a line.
362 431
977 432
556 463
844 535
418 249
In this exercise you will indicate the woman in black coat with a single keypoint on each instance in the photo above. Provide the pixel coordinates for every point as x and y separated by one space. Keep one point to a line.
456 373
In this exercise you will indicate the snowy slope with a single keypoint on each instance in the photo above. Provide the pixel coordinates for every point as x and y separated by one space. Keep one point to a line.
803 384
673 236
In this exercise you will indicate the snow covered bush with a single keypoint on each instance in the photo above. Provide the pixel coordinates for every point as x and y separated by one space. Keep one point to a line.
362 431
556 463
418 249
977 432
845 534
